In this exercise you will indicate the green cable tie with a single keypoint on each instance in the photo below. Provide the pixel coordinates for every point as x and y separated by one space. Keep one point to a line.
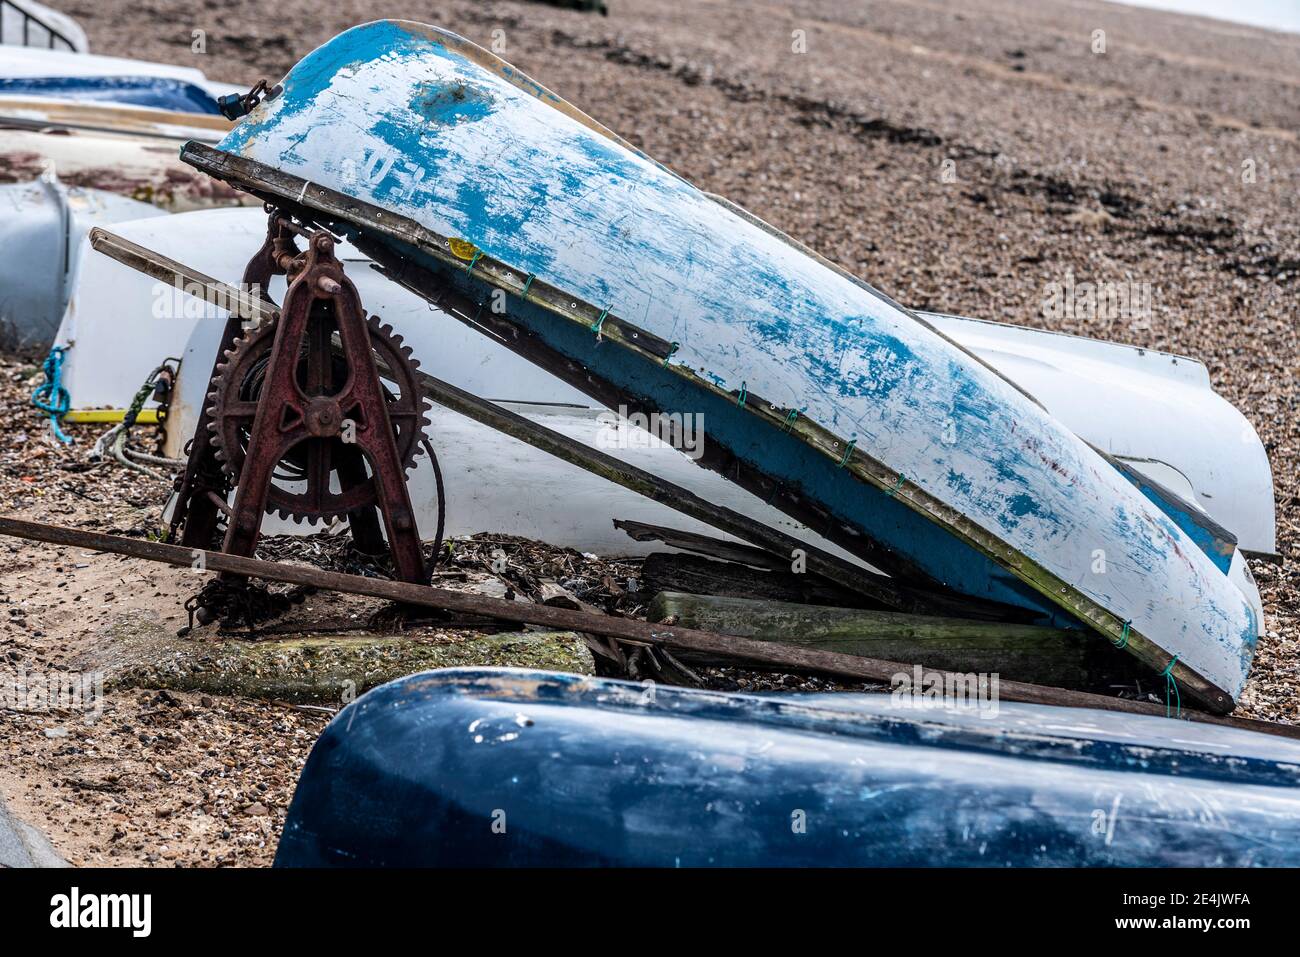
523 293
1123 635
478 254
789 420
848 450
672 348
897 485
744 394
1170 683
600 321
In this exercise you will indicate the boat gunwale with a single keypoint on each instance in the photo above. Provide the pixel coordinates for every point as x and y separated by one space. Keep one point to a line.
106 117
924 725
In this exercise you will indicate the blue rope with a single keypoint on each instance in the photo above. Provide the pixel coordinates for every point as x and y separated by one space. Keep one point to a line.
848 450
50 397
1171 684
1123 635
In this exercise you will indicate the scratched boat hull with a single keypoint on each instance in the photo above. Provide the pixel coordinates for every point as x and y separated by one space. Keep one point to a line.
450 167
499 767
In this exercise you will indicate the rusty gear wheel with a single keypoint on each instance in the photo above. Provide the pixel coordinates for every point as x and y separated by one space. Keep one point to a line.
319 478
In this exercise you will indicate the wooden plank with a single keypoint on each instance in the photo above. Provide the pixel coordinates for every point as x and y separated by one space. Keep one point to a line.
763 655
1018 652
780 569
683 572
781 546
702 545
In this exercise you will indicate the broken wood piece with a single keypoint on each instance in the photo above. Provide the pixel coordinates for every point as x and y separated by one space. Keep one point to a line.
675 638
557 596
680 572
704 545
786 567
1033 653
609 660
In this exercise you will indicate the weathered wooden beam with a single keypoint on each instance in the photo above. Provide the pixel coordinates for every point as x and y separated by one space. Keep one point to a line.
763 655
1019 652
881 588
187 280
684 572
703 545
919 600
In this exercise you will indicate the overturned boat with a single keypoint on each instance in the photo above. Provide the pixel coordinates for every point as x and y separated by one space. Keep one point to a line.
474 185
84 141
43 225
108 123
510 768
59 74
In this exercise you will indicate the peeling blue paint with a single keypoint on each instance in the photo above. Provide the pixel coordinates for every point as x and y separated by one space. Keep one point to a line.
548 196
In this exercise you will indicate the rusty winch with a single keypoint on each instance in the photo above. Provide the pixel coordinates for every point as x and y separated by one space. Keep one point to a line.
299 420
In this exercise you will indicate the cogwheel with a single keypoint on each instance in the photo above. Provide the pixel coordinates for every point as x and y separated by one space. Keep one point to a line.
232 406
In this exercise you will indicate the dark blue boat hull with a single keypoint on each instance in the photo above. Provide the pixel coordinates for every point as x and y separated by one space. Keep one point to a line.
498 767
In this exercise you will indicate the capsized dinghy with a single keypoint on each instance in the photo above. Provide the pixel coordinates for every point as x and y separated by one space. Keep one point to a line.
464 176
510 768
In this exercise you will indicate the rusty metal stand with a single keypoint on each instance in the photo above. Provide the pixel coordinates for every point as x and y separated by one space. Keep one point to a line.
286 402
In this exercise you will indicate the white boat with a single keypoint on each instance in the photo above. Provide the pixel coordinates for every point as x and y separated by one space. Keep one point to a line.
497 483
86 77
43 225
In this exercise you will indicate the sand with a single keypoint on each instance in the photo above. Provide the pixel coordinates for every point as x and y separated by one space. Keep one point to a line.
961 158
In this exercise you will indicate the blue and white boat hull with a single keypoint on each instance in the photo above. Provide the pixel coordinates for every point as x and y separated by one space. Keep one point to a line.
509 768
432 153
